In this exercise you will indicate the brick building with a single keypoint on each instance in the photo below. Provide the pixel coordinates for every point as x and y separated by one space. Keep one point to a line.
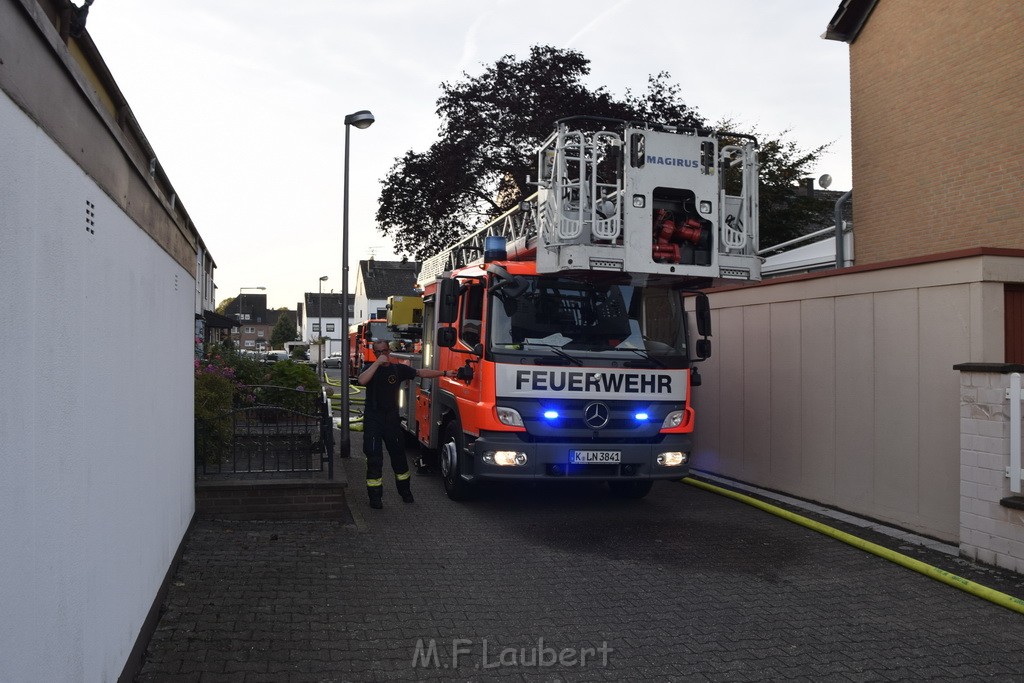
937 124
255 322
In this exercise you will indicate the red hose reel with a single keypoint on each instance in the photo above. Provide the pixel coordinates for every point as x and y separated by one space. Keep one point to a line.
668 235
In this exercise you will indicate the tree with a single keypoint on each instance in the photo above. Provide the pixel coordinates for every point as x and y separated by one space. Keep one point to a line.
491 125
225 305
284 331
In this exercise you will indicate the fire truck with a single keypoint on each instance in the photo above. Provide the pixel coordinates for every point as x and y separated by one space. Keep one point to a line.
569 317
360 342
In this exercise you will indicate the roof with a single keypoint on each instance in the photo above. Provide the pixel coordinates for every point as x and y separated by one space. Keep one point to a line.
848 20
382 279
332 307
253 305
214 319
814 256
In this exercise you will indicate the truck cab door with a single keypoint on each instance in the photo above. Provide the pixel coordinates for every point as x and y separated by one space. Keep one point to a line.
471 332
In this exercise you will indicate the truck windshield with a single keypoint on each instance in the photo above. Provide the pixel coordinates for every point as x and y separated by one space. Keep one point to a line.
617 320
379 332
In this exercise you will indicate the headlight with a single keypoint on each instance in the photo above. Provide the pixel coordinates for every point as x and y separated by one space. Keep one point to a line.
671 459
504 458
673 419
510 417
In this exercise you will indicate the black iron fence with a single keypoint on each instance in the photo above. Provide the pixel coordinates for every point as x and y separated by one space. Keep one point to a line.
269 431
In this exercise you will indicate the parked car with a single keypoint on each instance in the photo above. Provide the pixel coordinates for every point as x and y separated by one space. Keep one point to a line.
333 361
275 356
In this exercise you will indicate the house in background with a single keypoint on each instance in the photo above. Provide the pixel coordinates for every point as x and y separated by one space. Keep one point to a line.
327 309
254 322
377 280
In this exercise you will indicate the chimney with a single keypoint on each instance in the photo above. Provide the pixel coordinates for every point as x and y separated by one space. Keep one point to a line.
806 188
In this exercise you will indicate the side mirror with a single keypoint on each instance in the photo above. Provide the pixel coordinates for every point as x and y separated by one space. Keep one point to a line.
478 350
703 348
448 300
703 316
446 337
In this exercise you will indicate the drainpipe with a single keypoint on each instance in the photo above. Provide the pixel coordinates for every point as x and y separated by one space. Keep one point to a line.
840 256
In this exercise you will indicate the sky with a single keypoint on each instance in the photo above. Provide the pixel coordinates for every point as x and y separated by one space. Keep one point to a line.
244 102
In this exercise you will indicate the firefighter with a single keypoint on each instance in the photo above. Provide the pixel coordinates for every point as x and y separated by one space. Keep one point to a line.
381 423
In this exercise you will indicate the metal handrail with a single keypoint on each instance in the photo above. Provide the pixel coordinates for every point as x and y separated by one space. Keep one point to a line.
1014 470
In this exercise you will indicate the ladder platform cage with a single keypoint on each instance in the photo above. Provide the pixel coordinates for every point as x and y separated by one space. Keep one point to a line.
645 199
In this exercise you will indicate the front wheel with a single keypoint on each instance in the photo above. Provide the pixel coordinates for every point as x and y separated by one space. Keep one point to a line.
451 454
630 489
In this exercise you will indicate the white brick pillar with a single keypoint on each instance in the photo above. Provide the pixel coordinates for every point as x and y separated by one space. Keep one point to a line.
991 518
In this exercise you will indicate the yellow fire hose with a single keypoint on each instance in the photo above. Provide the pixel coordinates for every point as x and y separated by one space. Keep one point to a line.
356 395
993 596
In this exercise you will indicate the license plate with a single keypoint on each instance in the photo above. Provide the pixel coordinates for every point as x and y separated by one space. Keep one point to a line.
594 457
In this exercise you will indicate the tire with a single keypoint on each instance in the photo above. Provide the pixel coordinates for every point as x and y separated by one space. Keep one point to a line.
633 490
451 456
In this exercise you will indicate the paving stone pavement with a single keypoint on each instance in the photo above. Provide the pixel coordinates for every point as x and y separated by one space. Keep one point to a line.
566 583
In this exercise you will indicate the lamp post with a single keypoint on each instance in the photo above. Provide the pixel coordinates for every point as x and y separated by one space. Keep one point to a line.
320 325
240 313
360 119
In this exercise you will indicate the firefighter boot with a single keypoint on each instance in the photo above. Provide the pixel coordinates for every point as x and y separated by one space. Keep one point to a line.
376 493
402 482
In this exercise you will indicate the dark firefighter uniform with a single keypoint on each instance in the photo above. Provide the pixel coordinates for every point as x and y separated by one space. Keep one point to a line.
382 427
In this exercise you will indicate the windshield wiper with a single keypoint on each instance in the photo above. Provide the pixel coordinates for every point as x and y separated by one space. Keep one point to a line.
557 351
645 355
563 354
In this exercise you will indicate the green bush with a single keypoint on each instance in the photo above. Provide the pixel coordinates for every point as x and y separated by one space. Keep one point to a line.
293 375
214 392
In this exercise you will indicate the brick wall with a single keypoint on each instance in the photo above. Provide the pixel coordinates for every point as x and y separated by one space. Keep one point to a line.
937 128
263 499
991 531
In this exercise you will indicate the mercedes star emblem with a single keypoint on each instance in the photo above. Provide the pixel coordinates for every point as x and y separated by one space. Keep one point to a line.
596 415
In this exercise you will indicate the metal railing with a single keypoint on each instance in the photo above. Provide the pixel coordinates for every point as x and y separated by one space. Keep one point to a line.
1014 470
271 432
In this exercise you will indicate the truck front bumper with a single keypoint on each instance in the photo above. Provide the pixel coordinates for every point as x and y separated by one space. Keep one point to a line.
553 460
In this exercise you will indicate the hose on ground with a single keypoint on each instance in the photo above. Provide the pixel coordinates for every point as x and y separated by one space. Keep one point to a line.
990 594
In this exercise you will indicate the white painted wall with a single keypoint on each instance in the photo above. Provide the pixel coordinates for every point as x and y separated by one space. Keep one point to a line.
97 485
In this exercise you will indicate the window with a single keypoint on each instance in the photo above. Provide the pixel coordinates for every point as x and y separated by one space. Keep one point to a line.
472 315
249 343
249 329
246 316
330 327
260 333
316 327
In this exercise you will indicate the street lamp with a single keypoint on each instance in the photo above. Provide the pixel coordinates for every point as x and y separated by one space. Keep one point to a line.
360 119
262 289
320 314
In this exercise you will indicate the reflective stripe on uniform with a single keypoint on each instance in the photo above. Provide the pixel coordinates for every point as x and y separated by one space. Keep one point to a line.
374 482
402 477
